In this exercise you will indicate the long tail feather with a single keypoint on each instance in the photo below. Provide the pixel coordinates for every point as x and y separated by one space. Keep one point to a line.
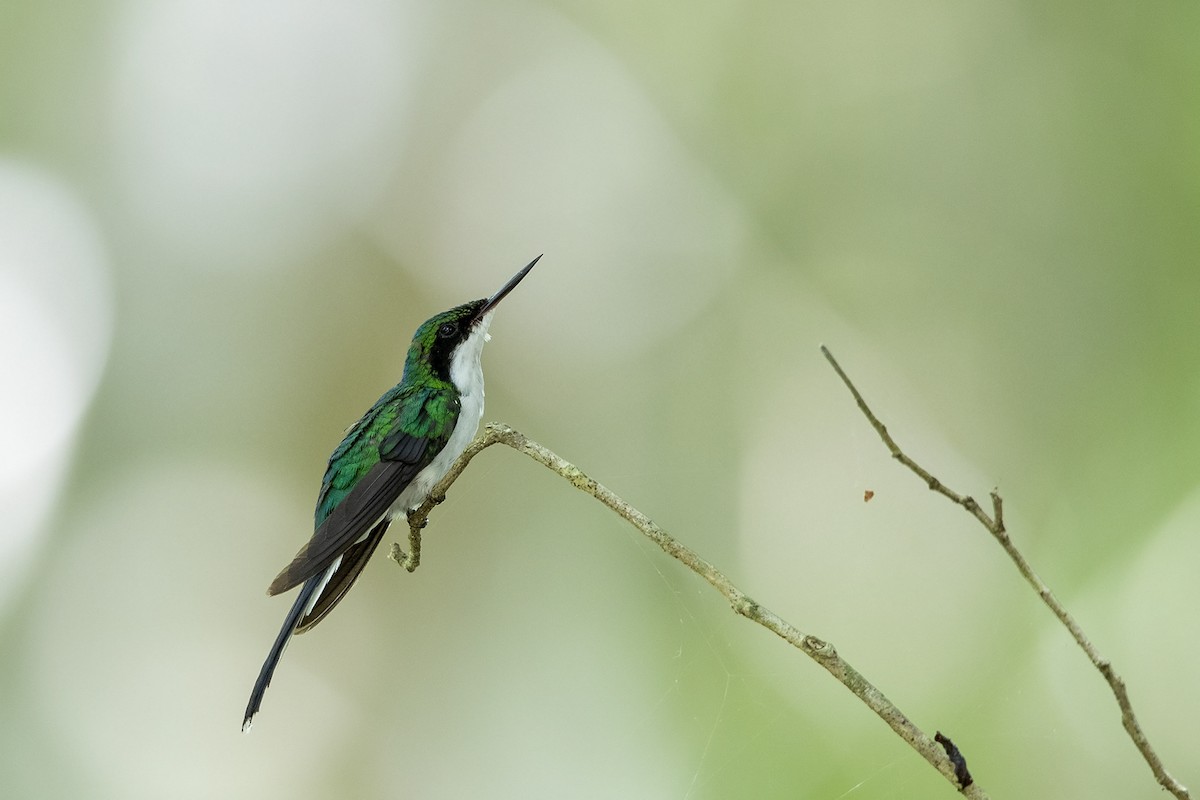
301 607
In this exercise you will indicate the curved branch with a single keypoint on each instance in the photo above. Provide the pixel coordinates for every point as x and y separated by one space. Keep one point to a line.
995 526
818 650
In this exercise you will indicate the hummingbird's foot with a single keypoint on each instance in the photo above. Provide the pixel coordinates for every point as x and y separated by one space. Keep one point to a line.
416 520
437 499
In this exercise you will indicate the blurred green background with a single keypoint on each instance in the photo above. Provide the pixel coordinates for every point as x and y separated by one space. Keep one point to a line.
221 221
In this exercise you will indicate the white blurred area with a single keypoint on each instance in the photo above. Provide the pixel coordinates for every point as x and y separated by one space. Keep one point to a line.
56 316
247 135
221 221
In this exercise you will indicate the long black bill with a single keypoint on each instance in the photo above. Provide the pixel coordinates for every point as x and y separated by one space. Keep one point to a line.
505 289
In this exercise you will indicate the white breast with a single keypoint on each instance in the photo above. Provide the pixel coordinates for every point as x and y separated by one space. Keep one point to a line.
466 373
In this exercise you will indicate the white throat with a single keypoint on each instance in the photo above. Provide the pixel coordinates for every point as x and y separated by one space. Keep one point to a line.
466 373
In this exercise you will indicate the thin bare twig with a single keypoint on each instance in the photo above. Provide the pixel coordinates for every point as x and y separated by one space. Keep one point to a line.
818 650
995 526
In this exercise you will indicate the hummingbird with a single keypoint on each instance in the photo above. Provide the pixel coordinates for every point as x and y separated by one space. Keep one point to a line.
386 465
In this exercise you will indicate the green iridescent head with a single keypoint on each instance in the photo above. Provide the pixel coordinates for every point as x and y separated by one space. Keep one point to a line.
442 335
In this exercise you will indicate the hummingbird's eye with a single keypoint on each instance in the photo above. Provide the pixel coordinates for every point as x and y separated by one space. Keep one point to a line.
447 330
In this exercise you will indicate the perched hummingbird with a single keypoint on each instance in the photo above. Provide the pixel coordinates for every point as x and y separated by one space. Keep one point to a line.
387 464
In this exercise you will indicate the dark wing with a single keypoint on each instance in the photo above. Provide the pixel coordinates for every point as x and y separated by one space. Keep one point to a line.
421 424
353 561
402 457
408 449
348 523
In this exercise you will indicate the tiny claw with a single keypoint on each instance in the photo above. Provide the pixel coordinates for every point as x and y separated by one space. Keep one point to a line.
437 499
